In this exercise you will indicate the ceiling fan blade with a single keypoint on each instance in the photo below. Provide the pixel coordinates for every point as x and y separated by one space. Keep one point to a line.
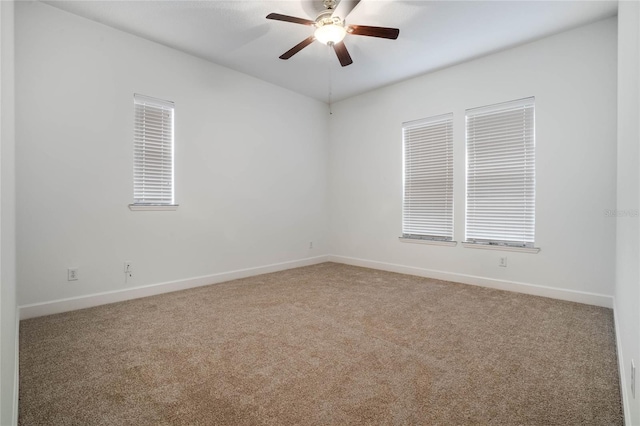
343 54
298 47
381 32
344 8
287 18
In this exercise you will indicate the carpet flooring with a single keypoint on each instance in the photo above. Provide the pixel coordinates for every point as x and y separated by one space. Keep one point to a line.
328 344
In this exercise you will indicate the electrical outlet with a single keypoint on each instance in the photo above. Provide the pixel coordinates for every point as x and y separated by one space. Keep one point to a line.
633 379
311 244
128 271
503 262
72 274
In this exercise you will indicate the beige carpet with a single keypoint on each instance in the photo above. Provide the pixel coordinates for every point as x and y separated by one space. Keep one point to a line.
328 344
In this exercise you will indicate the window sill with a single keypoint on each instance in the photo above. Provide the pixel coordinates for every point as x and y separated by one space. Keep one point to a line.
501 248
152 207
428 242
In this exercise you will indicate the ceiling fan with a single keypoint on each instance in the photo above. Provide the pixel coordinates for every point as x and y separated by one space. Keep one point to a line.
331 29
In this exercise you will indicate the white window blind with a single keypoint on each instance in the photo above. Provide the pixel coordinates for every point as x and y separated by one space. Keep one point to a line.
501 174
153 151
428 178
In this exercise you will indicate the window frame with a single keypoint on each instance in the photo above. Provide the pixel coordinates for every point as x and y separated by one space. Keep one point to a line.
496 117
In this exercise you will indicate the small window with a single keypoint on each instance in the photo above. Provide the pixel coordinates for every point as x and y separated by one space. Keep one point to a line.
153 186
428 179
500 206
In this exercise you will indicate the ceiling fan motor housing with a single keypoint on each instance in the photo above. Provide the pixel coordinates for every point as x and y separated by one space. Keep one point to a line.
330 4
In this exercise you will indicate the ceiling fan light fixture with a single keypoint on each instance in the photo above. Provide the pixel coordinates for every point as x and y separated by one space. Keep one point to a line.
330 33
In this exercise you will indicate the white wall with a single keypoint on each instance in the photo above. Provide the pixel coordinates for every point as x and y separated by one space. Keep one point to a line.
627 293
573 77
250 163
8 317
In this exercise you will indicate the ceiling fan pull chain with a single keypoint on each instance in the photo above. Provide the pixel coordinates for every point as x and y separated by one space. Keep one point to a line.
329 55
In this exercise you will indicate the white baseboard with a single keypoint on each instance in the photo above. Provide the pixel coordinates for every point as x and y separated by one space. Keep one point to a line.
533 289
88 301
626 410
81 302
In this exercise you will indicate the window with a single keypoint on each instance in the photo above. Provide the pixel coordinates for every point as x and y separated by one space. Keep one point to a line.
501 174
428 179
153 154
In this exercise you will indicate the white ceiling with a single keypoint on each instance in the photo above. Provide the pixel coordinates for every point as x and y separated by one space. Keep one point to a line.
433 35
